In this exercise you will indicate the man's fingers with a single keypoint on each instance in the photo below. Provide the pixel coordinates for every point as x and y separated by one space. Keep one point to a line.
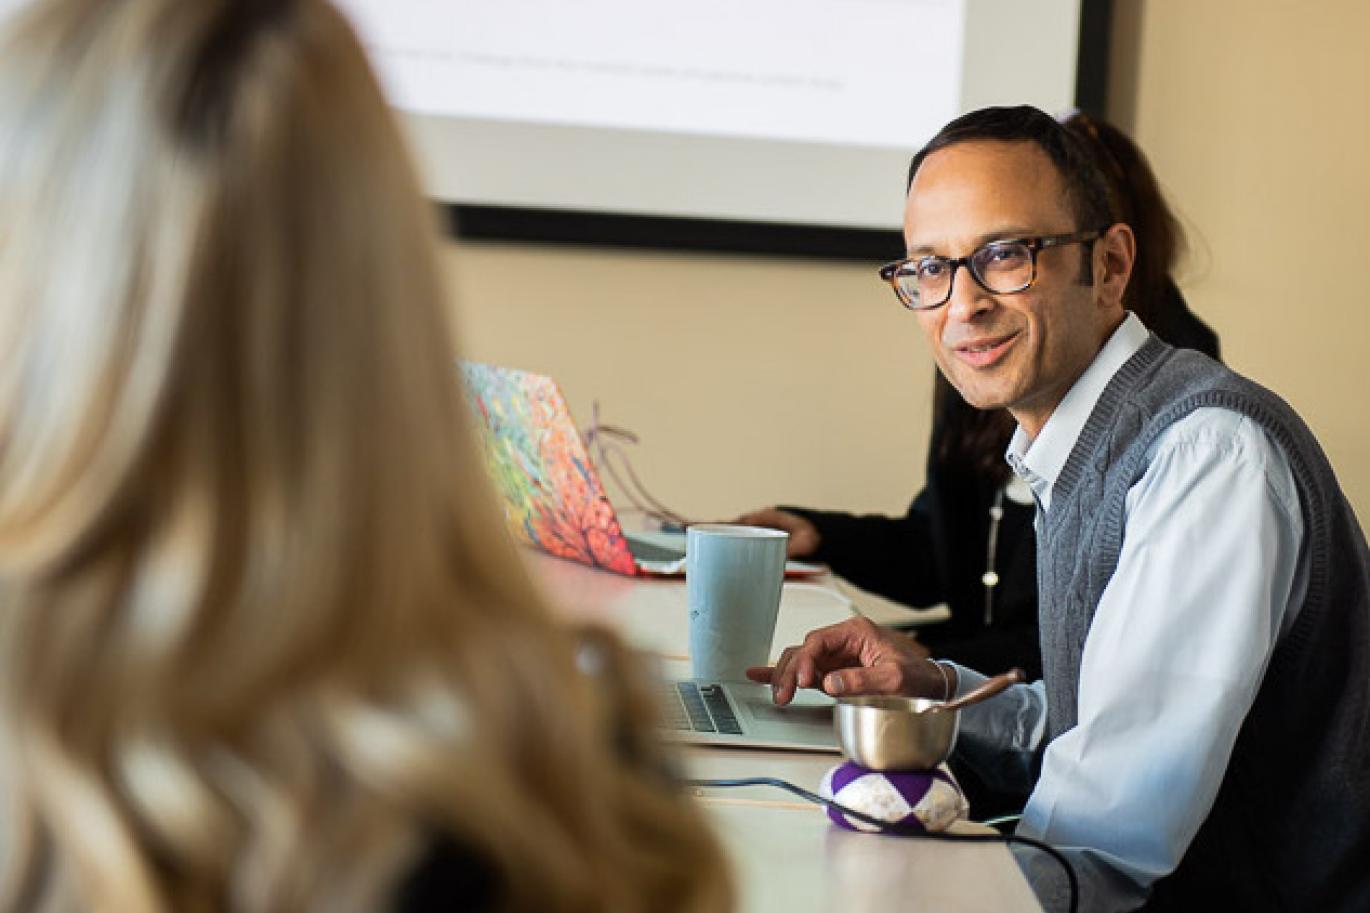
842 644
795 669
800 672
824 649
882 678
762 675
782 676
782 664
806 673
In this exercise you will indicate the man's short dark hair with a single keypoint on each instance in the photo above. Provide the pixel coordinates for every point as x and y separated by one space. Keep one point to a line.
1086 186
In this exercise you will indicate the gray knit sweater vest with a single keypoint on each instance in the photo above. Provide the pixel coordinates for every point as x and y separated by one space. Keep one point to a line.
1290 828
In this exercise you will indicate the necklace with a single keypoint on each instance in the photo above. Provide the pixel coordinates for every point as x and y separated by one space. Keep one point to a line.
991 577
1019 492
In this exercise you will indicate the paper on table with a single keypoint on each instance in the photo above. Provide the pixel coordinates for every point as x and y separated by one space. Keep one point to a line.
676 568
884 611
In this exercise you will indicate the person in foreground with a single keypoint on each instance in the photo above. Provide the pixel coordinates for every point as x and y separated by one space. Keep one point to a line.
263 643
1198 738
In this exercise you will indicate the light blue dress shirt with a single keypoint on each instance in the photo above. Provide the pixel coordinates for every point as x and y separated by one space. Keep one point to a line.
1210 575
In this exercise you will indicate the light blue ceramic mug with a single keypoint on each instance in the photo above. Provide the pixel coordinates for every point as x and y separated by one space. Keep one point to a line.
733 578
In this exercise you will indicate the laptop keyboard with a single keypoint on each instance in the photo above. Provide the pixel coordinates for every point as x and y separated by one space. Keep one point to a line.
691 706
650 551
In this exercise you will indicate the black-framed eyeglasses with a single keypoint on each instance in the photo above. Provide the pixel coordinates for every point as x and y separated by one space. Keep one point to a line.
1002 267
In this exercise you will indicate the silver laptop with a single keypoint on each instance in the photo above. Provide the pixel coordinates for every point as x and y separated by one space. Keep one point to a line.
742 714
553 497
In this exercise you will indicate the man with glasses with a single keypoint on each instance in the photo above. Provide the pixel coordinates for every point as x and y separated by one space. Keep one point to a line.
1199 737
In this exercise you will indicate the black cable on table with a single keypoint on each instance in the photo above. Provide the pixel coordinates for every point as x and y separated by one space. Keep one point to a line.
901 830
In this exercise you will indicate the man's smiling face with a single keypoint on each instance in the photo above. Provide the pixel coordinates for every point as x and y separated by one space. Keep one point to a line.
1021 351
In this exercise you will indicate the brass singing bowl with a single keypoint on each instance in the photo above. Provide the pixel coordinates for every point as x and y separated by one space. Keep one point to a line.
894 733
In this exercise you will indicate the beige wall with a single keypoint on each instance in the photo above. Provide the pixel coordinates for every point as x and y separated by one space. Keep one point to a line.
750 380
753 380
1256 115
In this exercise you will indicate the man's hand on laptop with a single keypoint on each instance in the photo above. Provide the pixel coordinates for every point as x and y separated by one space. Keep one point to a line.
856 657
804 538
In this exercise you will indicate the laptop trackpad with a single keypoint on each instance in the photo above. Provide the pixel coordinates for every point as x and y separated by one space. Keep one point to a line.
808 719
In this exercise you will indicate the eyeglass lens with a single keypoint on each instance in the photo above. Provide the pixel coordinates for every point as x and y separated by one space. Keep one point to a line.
1001 267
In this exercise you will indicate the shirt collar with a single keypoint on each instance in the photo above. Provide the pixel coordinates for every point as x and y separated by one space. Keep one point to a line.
1039 462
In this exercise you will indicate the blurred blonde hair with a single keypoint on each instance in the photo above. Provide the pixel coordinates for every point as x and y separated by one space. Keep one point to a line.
263 644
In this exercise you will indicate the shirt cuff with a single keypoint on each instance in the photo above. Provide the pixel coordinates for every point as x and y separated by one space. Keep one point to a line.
966 680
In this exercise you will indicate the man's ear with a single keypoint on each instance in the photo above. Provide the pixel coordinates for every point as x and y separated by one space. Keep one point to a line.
1114 254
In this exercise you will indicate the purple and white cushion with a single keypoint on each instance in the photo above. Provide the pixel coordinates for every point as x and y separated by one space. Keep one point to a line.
931 799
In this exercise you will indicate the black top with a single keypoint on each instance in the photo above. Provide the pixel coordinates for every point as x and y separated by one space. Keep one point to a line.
937 552
448 877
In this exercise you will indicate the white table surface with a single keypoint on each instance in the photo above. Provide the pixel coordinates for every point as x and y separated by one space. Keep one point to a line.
787 856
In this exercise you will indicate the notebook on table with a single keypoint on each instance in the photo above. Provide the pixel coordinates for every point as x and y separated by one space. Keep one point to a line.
553 497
